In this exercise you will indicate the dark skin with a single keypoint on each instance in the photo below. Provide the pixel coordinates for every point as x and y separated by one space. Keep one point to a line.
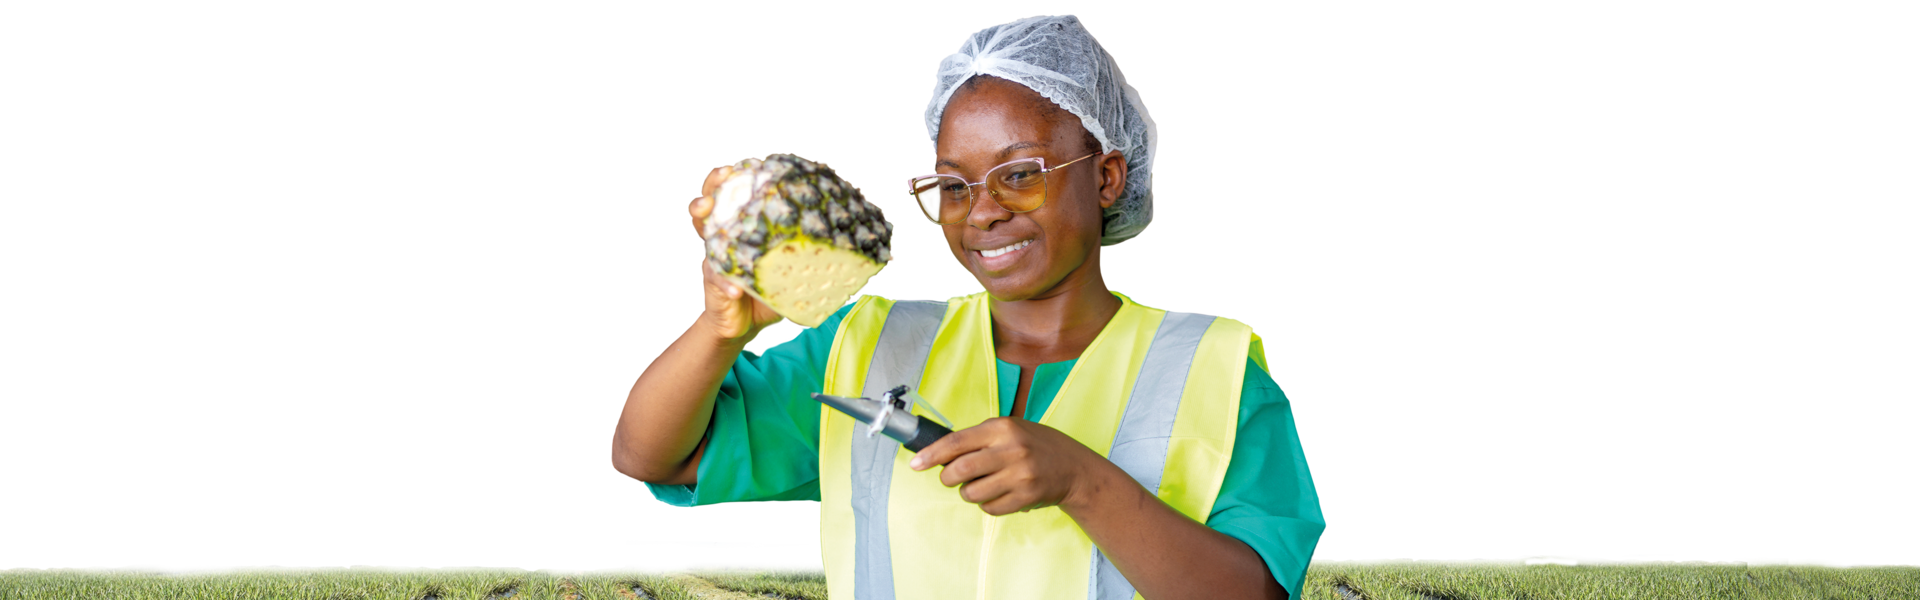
1048 303
1049 300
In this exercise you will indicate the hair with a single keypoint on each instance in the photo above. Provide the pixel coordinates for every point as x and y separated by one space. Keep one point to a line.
1037 102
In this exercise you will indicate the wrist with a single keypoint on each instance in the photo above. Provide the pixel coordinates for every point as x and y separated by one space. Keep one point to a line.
736 344
714 334
1101 483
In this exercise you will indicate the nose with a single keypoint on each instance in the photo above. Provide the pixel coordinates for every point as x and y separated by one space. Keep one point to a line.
985 210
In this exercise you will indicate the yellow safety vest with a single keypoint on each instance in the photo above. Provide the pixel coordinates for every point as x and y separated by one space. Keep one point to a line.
1157 393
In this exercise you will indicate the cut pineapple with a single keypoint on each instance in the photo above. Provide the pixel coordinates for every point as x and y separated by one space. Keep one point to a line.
795 236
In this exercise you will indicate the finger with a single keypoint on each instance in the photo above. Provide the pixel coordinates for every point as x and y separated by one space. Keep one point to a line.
700 207
985 490
939 452
971 466
1003 506
953 447
711 181
697 216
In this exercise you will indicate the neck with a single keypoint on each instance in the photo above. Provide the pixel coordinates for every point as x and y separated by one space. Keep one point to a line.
1058 324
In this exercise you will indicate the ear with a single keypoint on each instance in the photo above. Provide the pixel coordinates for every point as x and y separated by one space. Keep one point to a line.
1113 177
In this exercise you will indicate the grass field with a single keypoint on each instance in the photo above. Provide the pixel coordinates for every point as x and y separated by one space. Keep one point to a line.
1334 581
1428 581
788 581
333 583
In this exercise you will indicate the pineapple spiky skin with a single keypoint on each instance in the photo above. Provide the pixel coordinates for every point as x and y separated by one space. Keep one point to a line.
793 234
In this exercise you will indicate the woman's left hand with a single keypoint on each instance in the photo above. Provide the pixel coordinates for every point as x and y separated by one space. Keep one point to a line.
1011 465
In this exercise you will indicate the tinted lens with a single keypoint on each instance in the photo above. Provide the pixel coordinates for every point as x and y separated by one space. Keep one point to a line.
943 198
1019 187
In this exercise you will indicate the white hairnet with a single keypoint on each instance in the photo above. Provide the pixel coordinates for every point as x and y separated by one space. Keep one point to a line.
1056 57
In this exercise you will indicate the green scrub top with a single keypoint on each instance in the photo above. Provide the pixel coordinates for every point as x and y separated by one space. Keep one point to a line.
763 444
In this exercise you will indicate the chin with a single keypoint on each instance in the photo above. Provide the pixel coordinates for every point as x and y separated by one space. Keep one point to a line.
1010 288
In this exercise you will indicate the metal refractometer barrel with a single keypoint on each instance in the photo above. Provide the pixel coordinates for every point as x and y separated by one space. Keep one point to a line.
900 424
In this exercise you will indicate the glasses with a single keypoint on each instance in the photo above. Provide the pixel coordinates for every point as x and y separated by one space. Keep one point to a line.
1018 186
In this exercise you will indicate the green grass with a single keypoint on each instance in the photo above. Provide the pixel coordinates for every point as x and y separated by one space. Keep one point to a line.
795 572
1426 581
1377 581
793 581
350 584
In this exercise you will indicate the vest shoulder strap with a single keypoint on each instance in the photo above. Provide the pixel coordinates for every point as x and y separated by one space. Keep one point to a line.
900 355
899 358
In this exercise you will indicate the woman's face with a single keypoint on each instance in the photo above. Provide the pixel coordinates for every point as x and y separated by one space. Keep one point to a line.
993 121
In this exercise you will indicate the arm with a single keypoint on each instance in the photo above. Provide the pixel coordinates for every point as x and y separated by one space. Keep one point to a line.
660 435
1163 553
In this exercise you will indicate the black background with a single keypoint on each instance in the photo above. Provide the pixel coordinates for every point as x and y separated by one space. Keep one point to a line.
1502 274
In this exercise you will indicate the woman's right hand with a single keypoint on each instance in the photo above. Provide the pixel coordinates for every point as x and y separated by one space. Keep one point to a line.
731 314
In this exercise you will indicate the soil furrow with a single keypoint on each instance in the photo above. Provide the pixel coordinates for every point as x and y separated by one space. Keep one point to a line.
706 590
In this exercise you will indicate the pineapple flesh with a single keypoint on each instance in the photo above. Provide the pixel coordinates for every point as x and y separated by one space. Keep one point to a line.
794 235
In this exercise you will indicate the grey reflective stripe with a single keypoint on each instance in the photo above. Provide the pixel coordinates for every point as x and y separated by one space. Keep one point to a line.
898 359
1140 445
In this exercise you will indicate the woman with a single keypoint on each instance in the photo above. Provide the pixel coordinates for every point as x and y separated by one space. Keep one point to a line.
1101 447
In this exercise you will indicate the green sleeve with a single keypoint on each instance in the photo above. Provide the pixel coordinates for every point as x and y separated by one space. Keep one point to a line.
1267 499
763 442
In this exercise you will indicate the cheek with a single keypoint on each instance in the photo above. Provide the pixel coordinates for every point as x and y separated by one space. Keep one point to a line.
1095 216
1082 213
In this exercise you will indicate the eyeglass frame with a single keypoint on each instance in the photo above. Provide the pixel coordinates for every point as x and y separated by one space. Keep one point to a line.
971 198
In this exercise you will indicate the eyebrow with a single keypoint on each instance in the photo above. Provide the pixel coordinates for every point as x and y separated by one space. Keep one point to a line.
1004 152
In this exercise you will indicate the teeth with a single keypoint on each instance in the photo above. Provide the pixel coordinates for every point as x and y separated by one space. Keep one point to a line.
1000 251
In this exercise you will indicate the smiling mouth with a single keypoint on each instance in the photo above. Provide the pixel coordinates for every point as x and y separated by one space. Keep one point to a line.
1003 260
1005 250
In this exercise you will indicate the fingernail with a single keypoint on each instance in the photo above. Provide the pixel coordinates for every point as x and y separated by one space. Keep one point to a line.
915 463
